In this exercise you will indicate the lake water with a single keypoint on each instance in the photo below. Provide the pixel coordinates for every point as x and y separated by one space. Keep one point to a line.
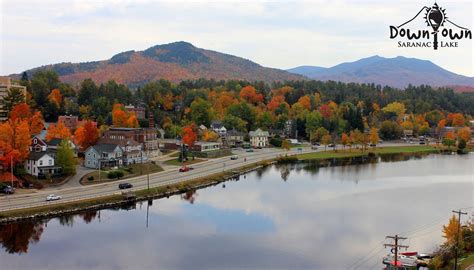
294 216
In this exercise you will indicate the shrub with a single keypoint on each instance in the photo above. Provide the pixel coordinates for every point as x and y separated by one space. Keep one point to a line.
90 178
115 174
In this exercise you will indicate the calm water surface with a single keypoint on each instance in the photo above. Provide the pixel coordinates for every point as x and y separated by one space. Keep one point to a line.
296 216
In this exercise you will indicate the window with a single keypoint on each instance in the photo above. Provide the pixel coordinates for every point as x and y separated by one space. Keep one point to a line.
41 163
50 162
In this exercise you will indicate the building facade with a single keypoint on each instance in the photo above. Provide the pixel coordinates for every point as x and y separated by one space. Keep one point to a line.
103 155
259 138
41 164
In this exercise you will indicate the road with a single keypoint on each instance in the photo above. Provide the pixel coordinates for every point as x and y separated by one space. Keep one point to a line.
167 177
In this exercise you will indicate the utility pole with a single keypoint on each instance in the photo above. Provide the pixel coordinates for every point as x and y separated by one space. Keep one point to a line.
99 169
459 212
11 164
396 246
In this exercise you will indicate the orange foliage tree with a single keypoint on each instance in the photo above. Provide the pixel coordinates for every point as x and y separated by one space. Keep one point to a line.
456 119
86 135
15 140
122 118
275 102
249 94
55 97
58 131
464 134
189 134
22 112
305 101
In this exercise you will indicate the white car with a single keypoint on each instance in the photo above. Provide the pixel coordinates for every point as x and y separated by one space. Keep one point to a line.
53 197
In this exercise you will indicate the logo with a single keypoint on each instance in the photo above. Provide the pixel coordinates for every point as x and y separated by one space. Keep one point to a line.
438 24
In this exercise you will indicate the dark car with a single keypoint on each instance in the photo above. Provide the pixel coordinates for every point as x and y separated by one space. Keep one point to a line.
7 190
125 185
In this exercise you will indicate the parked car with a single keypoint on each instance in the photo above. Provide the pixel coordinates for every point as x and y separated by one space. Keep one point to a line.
125 185
331 145
373 145
314 147
318 144
422 142
249 150
52 197
234 157
7 190
185 169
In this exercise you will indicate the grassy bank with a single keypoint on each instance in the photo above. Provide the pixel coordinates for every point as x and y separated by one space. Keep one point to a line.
53 208
345 153
128 172
176 162
466 262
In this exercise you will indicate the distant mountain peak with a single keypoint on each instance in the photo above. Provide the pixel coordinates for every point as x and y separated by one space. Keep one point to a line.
174 61
399 71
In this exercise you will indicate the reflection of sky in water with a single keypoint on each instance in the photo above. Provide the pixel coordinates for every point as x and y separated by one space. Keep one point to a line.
329 218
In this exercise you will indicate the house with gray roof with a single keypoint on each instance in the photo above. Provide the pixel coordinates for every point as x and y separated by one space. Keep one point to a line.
41 164
53 146
103 155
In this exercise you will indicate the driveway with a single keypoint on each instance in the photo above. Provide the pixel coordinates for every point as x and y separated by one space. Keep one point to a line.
74 180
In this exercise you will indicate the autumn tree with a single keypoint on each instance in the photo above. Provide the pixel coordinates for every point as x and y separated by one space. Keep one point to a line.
209 136
86 135
326 140
15 140
450 231
249 94
396 109
58 131
305 101
456 119
65 158
56 98
345 140
449 139
374 136
464 134
189 134
123 118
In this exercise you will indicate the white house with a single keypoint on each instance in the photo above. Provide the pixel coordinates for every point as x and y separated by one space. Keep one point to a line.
219 128
41 164
259 138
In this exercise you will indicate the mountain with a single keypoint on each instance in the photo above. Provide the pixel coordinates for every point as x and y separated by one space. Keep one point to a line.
397 72
174 61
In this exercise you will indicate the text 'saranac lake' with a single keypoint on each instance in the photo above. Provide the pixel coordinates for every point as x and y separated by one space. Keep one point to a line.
292 216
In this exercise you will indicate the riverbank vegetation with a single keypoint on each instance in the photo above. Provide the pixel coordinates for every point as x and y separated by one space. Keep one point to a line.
464 239
344 153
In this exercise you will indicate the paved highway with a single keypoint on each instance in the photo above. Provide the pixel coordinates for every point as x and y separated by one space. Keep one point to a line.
212 166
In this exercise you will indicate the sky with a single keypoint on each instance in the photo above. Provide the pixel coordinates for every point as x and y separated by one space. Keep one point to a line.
279 34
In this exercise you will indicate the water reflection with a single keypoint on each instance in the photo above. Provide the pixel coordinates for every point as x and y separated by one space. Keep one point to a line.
16 237
287 216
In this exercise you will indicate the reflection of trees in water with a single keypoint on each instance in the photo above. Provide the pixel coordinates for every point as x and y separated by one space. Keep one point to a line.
88 217
67 220
15 237
261 172
189 196
285 173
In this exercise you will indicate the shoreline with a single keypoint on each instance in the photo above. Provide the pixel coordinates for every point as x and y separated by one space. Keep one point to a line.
203 182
